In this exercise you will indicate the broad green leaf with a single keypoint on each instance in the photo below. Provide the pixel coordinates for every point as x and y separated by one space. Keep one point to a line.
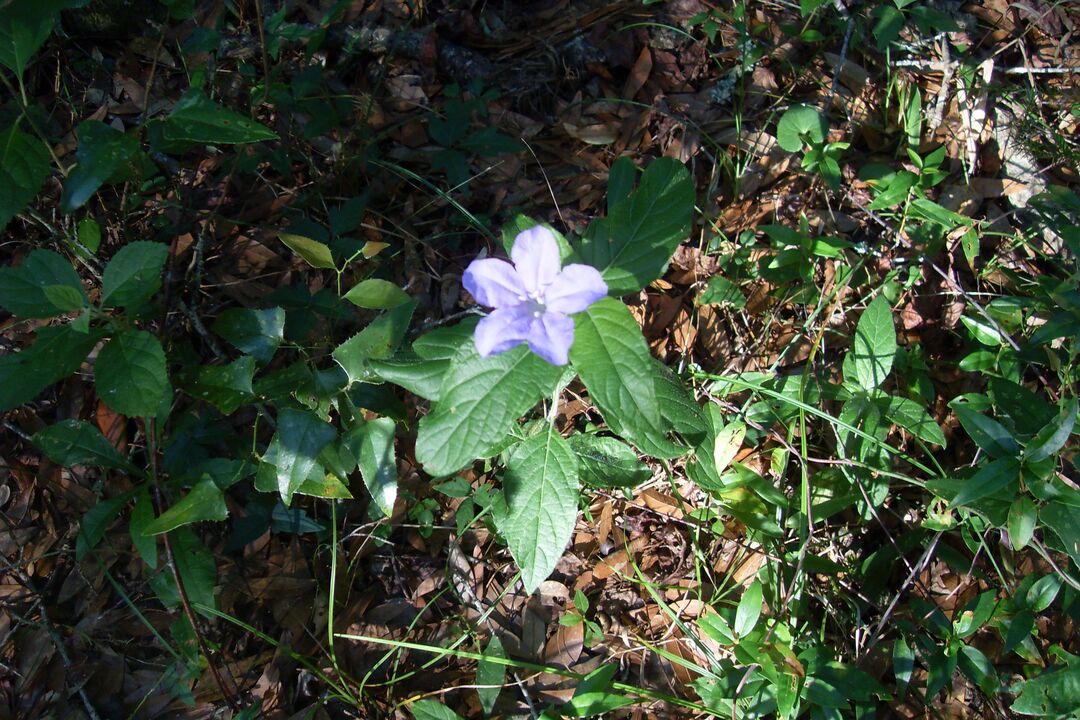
318 483
723 292
800 125
749 610
614 362
432 710
378 463
130 374
990 478
133 276
377 341
24 27
314 252
299 439
142 514
1064 521
1023 515
197 119
376 294
1054 693
24 289
928 210
226 387
419 376
540 488
24 167
990 435
77 442
911 416
96 521
874 347
204 501
621 178
490 676
198 572
479 401
89 232
445 342
888 21
1019 629
255 332
1042 592
633 245
607 462
982 331
1053 437
105 154
57 352
679 411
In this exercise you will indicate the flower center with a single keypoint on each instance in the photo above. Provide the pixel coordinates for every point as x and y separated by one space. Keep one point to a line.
534 302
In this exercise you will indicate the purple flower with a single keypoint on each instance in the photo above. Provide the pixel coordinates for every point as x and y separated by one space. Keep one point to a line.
533 298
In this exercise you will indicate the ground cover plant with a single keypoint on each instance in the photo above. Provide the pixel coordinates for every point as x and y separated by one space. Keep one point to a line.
570 359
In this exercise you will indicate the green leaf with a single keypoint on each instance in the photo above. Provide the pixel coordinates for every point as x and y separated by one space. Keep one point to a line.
133 276
903 662
414 373
888 21
1042 592
634 243
490 676
376 294
24 27
1064 521
991 436
874 347
1054 693
198 572
990 478
1053 437
24 167
608 462
432 710
621 178
299 439
314 252
255 332
377 341
130 374
77 442
105 154
142 514
57 352
197 119
378 463
226 387
24 290
594 696
912 416
204 501
721 291
801 125
615 365
318 483
540 488
749 610
96 521
479 401
1021 521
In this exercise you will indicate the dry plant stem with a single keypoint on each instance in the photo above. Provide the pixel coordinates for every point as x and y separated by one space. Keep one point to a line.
150 430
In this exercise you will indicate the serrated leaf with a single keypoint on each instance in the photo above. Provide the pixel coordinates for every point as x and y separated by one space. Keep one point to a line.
377 341
299 439
540 489
991 436
77 442
378 463
104 155
96 521
204 501
607 462
314 252
197 119
490 676
24 167
376 294
24 289
130 374
133 275
255 332
57 352
226 387
614 363
479 401
633 245
874 347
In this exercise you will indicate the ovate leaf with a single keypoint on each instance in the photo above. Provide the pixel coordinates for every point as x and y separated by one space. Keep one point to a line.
24 166
29 290
204 501
142 514
749 610
105 154
255 332
608 462
197 119
376 294
130 374
432 710
541 493
874 347
226 387
133 276
56 353
24 27
377 341
77 442
1054 693
314 252
299 439
479 401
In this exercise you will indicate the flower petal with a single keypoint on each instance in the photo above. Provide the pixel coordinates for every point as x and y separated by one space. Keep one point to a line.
503 329
493 282
574 289
551 336
536 256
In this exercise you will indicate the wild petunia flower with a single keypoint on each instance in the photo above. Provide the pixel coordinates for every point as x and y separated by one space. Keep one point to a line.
533 298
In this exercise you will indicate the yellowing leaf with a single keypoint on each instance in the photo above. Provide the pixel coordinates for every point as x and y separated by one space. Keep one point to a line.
314 252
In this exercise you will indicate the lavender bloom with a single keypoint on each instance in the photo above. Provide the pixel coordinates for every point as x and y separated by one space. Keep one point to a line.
533 298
